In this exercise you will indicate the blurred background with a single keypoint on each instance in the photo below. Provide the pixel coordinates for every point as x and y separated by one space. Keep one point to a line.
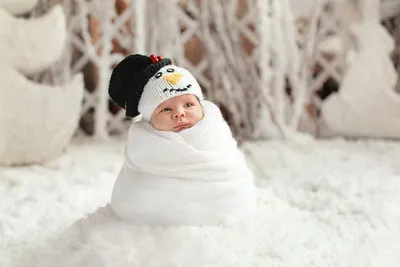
324 68
310 89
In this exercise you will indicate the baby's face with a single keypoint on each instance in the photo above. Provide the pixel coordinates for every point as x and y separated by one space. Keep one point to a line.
177 114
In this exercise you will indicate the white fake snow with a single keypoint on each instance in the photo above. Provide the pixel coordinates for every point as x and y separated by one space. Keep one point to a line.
322 203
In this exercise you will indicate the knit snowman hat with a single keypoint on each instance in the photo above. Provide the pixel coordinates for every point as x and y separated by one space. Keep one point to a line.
140 83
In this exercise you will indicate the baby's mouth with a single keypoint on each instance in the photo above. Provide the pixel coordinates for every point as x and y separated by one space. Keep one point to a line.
182 126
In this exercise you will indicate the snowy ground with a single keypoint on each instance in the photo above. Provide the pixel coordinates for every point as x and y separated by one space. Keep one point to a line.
326 203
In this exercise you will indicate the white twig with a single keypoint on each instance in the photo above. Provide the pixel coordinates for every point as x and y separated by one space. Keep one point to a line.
140 40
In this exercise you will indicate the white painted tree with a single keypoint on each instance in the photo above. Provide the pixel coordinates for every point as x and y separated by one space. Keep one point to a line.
93 27
37 121
367 104
244 53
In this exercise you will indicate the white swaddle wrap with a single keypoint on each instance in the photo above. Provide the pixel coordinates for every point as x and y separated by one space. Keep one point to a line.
195 177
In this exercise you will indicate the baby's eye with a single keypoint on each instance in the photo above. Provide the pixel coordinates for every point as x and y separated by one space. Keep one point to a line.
158 74
188 105
166 109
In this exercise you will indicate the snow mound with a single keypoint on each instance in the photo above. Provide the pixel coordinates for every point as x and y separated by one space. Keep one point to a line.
102 240
330 203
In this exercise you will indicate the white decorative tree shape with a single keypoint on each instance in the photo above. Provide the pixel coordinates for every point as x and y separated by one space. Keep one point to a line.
36 121
367 104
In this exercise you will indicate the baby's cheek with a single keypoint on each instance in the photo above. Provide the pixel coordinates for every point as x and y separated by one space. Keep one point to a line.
201 114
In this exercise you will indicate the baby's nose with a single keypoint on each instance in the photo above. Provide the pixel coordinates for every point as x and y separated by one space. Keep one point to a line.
179 113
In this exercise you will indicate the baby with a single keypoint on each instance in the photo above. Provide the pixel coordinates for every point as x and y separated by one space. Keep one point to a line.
181 165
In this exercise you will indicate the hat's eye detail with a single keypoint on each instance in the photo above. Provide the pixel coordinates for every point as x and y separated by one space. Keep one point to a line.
170 70
158 74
